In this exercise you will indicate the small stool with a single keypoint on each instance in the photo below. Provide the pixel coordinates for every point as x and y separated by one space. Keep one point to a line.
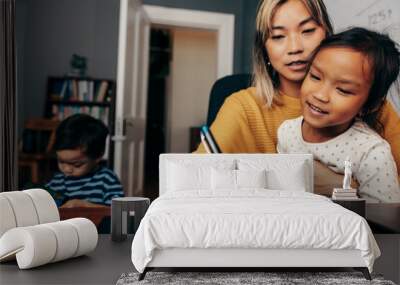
124 209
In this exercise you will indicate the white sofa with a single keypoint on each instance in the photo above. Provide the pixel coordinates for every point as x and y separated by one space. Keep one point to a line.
31 231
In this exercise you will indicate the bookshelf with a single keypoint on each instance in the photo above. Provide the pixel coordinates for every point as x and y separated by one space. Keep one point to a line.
93 96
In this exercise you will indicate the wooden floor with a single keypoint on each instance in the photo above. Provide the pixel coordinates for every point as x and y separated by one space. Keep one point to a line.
103 266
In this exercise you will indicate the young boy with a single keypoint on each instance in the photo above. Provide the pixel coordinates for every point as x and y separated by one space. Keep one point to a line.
80 144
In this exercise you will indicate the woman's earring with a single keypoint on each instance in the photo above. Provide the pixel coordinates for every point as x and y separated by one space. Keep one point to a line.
269 63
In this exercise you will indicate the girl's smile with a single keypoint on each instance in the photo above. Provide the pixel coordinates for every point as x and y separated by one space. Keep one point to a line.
316 110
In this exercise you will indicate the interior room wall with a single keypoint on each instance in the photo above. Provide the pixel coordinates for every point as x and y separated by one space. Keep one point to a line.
249 18
49 32
193 71
54 30
244 11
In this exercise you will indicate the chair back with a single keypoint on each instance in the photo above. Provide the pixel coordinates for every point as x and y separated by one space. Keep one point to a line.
39 135
223 88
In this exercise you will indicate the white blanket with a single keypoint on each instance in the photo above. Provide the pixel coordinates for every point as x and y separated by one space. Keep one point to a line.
250 219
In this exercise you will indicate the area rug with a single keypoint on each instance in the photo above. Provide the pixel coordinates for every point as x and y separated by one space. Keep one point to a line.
243 278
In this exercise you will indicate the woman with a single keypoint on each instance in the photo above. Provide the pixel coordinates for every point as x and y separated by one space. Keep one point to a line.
288 31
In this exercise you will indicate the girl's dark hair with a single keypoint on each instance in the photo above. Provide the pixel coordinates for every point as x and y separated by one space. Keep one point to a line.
84 132
384 57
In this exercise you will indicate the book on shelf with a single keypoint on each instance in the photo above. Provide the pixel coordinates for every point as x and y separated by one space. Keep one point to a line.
68 91
83 90
95 112
102 92
74 91
91 91
55 89
63 90
70 95
98 112
79 90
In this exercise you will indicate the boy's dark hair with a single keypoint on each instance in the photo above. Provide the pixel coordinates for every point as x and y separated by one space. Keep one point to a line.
84 132
384 57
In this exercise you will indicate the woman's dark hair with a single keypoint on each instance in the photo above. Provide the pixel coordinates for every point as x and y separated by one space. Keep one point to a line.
384 57
84 132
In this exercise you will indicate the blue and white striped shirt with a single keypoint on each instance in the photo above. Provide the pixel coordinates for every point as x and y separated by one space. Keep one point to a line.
96 187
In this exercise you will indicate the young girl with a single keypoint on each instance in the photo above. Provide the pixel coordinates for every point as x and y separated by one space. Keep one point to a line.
341 97
287 33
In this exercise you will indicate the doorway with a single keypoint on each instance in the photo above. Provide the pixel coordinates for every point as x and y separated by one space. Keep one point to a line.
183 67
131 121
159 70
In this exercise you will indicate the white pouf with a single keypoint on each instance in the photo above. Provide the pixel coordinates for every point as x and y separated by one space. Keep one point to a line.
31 230
40 244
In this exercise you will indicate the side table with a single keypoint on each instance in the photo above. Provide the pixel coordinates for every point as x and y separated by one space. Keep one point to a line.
356 205
122 211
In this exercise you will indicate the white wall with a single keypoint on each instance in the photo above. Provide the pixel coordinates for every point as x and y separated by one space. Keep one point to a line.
193 71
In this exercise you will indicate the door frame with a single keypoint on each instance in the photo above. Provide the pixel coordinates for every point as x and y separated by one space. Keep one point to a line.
222 23
131 11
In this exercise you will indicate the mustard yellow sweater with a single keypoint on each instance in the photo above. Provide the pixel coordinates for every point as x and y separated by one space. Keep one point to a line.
245 125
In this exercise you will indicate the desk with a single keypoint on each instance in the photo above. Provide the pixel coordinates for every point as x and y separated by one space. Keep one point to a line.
384 220
102 266
95 214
